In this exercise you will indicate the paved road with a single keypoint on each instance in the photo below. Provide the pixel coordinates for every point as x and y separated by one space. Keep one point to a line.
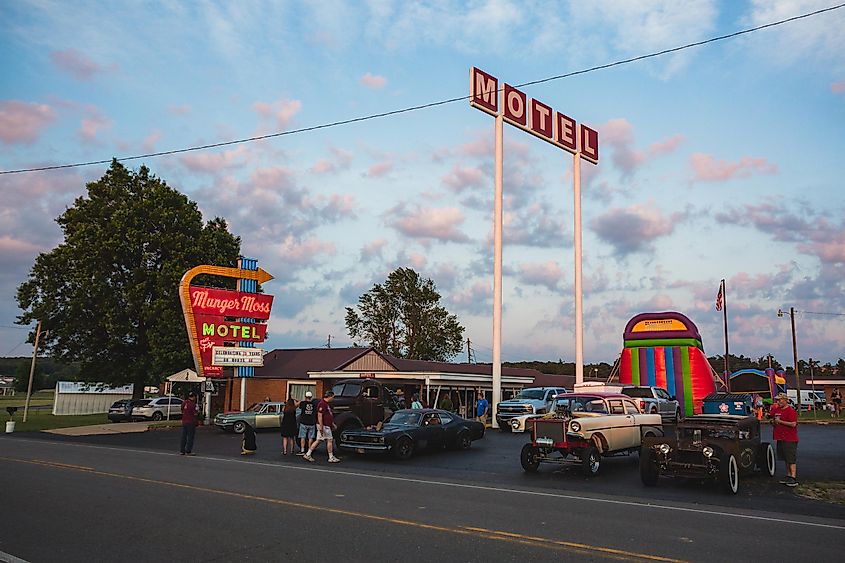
97 497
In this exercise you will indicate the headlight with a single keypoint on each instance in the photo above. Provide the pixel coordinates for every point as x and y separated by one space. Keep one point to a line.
707 451
515 424
664 448
575 426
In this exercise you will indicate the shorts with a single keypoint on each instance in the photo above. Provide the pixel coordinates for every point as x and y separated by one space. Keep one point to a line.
308 431
326 435
788 451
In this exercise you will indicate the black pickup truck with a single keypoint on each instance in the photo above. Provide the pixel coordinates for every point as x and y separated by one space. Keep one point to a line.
360 403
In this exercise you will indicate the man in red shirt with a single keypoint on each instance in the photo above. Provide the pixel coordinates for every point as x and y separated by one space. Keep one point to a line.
325 425
785 421
189 424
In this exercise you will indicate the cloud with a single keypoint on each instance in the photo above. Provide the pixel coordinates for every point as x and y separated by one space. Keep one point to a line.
707 169
183 109
462 178
373 81
301 252
537 225
280 112
373 250
633 229
476 299
545 274
428 223
619 134
838 87
22 122
213 162
92 124
149 144
340 160
76 64
379 169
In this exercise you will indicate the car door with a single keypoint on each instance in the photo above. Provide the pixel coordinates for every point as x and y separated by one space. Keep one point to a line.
268 416
622 425
633 411
175 407
665 406
431 430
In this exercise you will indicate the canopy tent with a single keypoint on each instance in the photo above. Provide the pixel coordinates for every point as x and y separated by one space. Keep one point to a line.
184 376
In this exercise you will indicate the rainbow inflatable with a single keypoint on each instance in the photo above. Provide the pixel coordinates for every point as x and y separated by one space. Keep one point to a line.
664 349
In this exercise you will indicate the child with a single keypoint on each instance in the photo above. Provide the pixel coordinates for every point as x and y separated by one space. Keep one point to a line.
248 446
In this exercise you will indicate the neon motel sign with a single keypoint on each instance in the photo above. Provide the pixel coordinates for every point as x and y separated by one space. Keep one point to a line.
532 116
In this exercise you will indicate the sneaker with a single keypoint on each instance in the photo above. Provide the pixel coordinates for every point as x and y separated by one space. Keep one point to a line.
181 453
334 460
300 453
307 457
190 453
785 480
793 482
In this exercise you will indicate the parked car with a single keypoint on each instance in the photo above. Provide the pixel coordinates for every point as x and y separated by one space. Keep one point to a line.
654 400
266 414
530 401
718 447
157 409
584 428
359 403
411 430
118 411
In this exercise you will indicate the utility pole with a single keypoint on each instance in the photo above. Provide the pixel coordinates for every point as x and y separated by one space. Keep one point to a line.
32 371
329 342
813 383
770 361
794 355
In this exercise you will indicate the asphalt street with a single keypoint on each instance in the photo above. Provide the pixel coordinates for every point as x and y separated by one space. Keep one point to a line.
106 497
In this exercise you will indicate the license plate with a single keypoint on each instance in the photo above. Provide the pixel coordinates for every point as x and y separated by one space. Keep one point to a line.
360 450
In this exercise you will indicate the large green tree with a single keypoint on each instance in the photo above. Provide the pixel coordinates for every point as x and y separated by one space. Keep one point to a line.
403 317
109 292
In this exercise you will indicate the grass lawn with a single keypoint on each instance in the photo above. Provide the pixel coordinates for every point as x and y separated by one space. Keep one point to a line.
44 421
827 491
20 400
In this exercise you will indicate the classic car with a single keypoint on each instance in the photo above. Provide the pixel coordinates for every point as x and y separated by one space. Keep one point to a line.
411 430
717 447
265 414
586 427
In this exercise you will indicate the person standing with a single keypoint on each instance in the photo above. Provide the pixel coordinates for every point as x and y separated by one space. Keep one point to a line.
190 420
446 403
785 421
481 408
307 423
836 399
325 425
416 404
288 426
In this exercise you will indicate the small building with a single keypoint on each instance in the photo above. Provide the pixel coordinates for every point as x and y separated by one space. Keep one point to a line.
292 372
75 397
7 386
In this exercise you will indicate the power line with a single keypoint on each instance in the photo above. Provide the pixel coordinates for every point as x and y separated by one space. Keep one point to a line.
828 314
428 105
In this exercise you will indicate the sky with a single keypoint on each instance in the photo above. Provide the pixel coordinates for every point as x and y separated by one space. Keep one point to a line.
720 161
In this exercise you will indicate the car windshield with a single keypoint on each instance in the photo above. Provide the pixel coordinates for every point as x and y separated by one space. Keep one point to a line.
582 404
715 433
255 407
534 394
346 389
118 404
405 418
639 392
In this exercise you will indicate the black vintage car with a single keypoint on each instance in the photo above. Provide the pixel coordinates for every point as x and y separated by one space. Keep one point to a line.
411 430
719 447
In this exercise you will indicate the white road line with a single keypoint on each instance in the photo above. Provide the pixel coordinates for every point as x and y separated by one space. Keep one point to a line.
9 558
643 504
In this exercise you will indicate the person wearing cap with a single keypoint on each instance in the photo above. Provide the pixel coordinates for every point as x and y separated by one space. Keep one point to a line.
190 410
307 423
785 421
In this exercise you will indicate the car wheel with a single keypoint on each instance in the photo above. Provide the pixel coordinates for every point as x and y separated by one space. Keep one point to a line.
464 440
729 474
530 458
766 459
239 427
403 449
648 467
591 461
157 416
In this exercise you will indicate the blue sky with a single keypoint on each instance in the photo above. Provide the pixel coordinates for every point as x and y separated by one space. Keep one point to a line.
723 161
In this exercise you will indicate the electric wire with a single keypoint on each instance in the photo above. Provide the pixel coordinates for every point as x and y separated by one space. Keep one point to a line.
427 105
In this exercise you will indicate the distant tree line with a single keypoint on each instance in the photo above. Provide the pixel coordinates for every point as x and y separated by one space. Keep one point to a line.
47 372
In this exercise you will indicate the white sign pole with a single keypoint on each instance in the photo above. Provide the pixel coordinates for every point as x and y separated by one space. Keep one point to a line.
579 311
497 272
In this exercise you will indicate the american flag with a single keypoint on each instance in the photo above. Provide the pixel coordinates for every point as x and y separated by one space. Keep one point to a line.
720 297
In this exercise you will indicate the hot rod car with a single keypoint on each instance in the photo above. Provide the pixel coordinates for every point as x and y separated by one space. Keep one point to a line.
585 427
719 447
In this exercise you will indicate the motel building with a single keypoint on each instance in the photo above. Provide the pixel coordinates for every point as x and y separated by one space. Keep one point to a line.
292 372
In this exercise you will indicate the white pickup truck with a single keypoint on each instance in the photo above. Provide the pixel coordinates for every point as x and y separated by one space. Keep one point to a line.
654 400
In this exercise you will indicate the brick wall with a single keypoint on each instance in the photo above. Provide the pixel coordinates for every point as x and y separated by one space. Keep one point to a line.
258 390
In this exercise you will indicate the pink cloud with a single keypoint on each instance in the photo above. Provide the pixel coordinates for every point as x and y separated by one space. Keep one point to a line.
379 169
619 134
373 249
280 111
212 163
184 109
707 169
150 141
546 274
430 223
634 228
373 81
76 64
272 178
474 299
838 87
22 122
293 251
340 160
831 251
461 178
92 124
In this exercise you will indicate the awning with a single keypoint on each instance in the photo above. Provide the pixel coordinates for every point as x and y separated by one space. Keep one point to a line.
185 376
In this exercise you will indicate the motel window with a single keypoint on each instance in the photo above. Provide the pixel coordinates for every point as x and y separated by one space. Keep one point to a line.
297 390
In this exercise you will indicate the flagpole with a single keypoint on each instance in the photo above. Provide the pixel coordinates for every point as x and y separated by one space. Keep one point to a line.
727 351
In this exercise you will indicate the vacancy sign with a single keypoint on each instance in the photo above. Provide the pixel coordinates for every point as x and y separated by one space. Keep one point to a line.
532 115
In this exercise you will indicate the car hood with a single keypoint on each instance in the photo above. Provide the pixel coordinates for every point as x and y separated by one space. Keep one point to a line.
386 429
522 402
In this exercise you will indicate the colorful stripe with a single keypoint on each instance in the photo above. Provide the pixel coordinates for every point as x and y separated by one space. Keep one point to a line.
688 397
669 364
662 342
635 366
649 364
